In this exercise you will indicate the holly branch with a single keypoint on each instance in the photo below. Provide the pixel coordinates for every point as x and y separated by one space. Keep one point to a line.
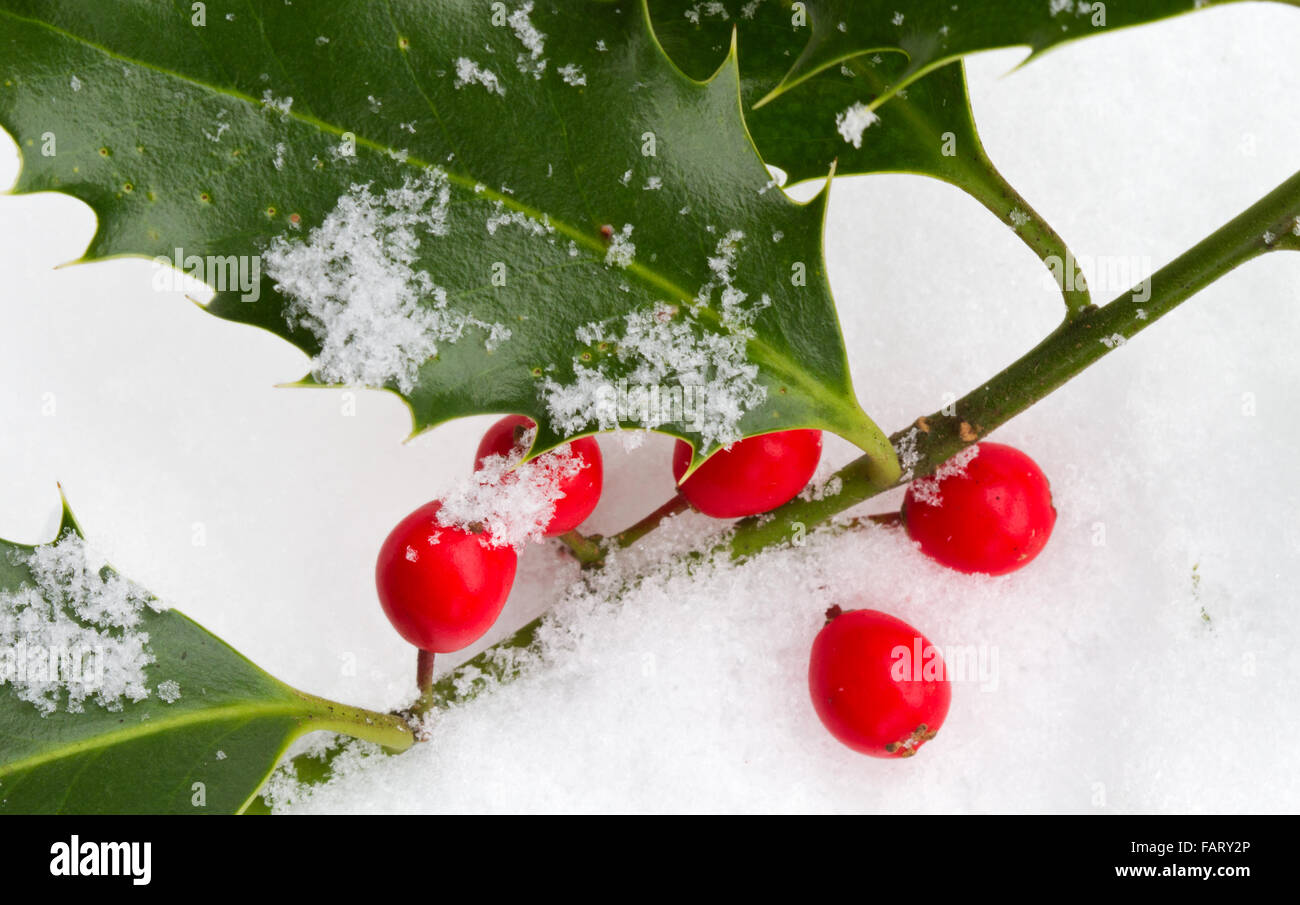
1083 338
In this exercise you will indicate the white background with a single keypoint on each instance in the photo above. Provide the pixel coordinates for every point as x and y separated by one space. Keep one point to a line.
166 429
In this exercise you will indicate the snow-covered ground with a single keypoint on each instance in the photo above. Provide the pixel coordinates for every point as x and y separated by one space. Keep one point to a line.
1147 661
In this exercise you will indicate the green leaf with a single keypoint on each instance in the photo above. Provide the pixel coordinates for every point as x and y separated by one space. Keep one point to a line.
928 130
181 136
934 32
208 751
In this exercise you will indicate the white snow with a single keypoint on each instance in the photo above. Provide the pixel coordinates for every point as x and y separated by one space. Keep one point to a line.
621 250
72 634
281 105
679 371
855 120
169 691
512 503
572 74
353 283
470 73
929 490
531 62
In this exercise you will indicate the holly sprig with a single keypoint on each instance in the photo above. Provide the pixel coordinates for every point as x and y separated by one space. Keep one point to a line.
1083 338
738 93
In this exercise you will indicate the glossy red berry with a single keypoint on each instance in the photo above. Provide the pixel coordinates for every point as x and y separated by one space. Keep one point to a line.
440 587
877 684
991 513
581 489
754 475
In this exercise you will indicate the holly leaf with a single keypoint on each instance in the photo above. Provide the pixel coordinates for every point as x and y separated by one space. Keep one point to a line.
205 737
928 129
935 32
483 207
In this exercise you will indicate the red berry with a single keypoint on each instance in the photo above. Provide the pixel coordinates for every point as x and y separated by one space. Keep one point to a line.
992 513
441 588
877 684
581 490
753 476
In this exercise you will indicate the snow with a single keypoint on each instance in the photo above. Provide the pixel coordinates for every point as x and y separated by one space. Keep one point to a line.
621 250
470 73
529 63
72 634
929 490
572 75
512 503
353 283
1113 694
855 120
677 370
169 691
281 105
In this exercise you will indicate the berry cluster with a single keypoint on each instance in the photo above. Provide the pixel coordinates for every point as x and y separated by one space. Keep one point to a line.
876 683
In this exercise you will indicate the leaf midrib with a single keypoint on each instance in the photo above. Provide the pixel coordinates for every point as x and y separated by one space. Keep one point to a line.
149 727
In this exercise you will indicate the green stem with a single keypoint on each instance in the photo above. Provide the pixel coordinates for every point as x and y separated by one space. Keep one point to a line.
630 536
1075 345
385 729
585 549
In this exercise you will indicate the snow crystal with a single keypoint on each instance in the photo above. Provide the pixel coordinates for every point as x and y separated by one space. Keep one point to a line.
852 122
509 502
681 372
73 633
736 316
572 74
708 9
501 216
621 249
169 692
221 755
530 63
928 490
1113 341
822 489
665 352
281 105
353 284
652 184
898 19
470 73
75 83
909 455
